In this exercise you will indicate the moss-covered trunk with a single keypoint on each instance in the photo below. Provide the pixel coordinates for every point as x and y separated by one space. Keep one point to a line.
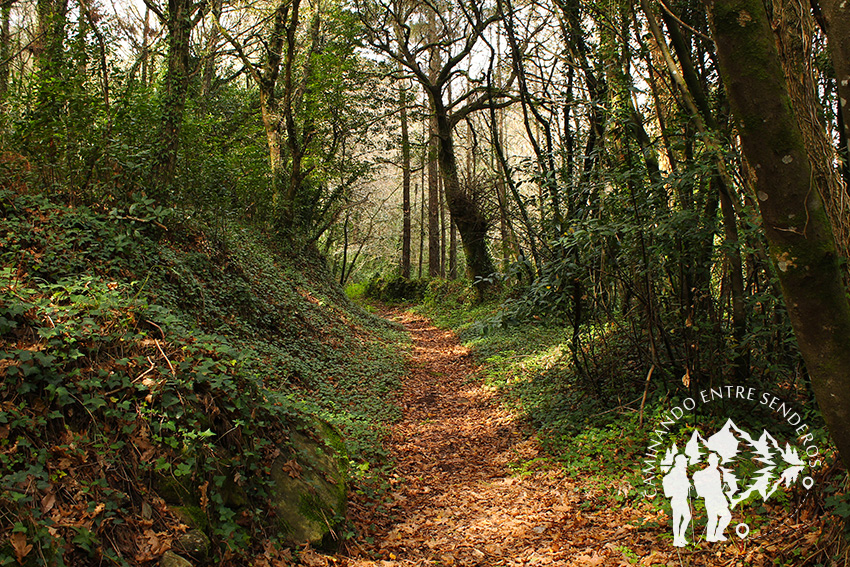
798 230
463 206
180 22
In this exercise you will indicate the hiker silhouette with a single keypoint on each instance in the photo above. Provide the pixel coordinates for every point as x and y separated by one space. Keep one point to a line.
708 483
677 487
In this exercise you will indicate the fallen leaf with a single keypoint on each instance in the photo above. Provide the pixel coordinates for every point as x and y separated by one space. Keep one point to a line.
292 468
204 498
47 502
310 558
20 545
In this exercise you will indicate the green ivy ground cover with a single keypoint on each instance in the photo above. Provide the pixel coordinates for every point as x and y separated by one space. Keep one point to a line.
139 344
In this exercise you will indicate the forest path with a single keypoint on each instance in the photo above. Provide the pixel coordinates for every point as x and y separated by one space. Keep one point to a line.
454 499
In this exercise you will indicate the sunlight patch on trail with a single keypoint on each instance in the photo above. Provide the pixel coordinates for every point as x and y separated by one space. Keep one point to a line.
454 499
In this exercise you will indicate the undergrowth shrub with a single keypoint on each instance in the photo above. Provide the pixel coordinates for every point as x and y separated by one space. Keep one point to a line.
133 353
395 289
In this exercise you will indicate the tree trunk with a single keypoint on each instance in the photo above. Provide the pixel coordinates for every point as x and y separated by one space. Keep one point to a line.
421 219
836 19
433 200
48 50
797 227
47 45
466 212
146 29
405 183
843 144
433 149
180 23
452 249
210 54
442 231
794 28
5 45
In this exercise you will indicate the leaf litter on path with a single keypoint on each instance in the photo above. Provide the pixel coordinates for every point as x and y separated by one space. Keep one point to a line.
454 500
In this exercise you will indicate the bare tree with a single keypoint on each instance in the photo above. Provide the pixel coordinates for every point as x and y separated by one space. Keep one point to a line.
394 28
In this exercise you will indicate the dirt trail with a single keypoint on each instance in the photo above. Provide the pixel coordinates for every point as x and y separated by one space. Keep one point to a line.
455 499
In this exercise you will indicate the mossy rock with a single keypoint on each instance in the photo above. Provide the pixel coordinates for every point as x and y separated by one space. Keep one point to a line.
194 543
309 490
171 559
310 493
192 516
175 491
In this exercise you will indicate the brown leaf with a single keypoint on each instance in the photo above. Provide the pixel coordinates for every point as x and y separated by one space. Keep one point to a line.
310 558
204 498
47 502
20 545
292 468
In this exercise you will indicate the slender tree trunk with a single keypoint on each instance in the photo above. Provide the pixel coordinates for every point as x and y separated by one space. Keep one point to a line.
836 20
146 30
442 231
422 202
452 249
736 279
795 221
101 43
506 175
843 143
433 200
433 150
405 183
342 275
5 45
48 49
211 54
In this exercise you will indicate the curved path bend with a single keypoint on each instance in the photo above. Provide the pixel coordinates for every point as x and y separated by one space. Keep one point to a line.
471 489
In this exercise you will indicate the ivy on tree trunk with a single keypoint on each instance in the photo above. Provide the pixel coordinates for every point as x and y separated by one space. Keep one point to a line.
802 246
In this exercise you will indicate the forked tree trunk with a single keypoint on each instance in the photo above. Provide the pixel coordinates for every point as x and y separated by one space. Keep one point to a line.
798 230
466 212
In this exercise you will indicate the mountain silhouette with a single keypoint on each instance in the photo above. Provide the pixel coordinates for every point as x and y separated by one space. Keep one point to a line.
743 458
